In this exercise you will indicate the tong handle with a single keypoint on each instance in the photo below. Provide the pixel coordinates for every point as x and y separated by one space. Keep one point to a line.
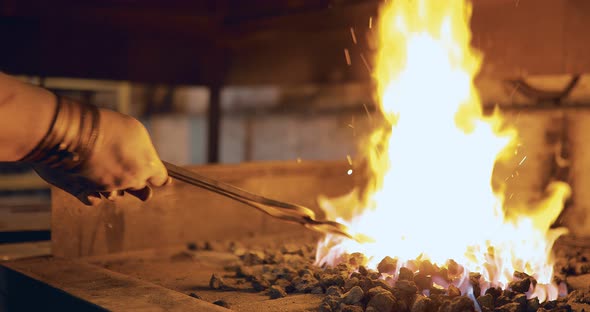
235 193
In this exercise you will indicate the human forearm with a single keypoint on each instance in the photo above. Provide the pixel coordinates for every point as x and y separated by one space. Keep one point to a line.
26 112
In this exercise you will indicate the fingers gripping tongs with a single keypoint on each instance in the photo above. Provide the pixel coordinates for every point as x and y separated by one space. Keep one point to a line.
281 210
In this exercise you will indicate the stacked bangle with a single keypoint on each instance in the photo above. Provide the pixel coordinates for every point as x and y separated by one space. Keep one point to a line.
71 136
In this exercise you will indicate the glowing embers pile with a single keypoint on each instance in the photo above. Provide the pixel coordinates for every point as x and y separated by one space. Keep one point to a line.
431 196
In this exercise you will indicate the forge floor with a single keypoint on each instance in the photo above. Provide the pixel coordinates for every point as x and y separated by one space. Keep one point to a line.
189 271
165 278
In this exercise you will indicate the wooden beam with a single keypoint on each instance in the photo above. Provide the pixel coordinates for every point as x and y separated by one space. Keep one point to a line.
40 283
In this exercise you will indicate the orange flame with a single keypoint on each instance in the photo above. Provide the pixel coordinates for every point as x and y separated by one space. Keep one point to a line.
431 195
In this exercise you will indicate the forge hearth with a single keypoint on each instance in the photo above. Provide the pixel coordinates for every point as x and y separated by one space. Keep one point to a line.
276 273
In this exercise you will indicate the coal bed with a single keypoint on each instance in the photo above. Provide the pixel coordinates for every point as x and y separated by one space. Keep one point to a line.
271 275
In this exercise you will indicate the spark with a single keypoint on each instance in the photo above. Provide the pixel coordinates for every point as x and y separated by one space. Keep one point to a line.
368 113
349 172
298 160
522 161
370 22
347 56
511 195
366 63
349 159
352 35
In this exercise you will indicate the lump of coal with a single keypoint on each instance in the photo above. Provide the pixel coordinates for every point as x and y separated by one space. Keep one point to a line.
363 270
328 280
423 281
422 304
522 275
283 283
582 268
351 282
578 296
510 307
216 282
406 287
351 308
318 290
521 286
260 284
304 271
533 304
502 300
382 302
405 274
549 305
365 284
373 275
194 295
494 291
222 303
453 291
192 246
459 304
387 265
332 303
285 272
273 257
305 283
353 296
344 268
474 279
375 291
243 271
275 292
486 301
381 283
520 299
333 291
253 257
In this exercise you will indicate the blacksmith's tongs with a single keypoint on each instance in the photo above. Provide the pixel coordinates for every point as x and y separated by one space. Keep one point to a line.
281 210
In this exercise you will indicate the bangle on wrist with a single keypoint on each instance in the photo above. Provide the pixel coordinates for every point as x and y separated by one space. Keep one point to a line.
71 136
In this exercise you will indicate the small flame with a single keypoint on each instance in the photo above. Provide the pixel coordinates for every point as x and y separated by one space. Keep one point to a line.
431 195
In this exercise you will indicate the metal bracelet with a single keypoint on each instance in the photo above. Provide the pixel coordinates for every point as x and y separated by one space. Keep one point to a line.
71 137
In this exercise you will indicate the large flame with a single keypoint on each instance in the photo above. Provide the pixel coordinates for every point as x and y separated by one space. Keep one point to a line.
432 196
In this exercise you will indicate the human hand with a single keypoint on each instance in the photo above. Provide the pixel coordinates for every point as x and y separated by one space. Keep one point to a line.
123 160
